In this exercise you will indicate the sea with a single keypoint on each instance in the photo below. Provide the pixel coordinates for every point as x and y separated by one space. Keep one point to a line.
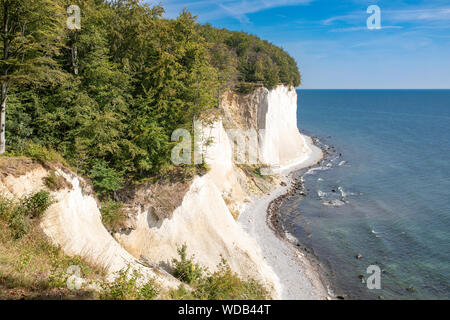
376 211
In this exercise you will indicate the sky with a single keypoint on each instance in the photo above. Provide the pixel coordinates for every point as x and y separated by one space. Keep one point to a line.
332 45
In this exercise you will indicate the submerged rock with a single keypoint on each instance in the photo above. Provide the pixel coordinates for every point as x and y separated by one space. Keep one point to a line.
334 203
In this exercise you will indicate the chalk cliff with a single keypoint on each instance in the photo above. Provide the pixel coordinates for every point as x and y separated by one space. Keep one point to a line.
74 221
204 221
274 115
204 216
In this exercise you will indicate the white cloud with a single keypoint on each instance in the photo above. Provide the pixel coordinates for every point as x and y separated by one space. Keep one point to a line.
419 16
237 9
350 29
436 14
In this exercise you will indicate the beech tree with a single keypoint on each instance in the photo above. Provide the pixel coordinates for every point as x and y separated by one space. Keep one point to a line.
108 96
30 40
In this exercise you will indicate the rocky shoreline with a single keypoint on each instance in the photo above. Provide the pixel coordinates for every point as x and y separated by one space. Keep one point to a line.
298 277
296 186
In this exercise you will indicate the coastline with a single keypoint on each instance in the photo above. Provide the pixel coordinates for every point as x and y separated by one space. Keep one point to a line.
299 275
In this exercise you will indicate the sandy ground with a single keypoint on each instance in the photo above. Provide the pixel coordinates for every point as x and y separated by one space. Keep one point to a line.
298 276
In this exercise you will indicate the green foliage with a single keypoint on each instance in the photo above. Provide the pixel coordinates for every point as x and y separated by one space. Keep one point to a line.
226 285
31 267
126 286
181 293
18 214
149 291
32 51
257 172
36 204
110 109
113 215
222 284
185 269
105 179
55 182
244 61
40 153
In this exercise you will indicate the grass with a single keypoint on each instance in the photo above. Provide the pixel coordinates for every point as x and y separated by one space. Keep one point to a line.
32 268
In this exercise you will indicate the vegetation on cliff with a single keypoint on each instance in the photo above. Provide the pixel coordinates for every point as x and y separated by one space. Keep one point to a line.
32 268
108 96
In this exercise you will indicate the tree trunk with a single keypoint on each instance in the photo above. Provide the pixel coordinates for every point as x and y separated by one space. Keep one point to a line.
4 74
74 53
74 59
3 118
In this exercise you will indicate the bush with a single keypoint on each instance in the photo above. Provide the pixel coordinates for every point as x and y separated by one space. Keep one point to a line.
56 182
36 204
185 269
5 207
18 214
226 285
181 294
223 284
113 216
41 154
126 287
105 180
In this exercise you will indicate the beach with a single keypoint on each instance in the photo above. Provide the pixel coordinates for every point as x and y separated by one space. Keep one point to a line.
299 276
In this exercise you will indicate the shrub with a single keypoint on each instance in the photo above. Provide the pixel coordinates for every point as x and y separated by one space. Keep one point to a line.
181 294
222 284
226 285
257 172
105 179
56 182
149 290
126 287
18 213
41 153
113 216
36 204
5 207
185 269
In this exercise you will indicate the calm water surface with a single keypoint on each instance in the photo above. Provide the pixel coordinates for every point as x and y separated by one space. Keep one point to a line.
391 197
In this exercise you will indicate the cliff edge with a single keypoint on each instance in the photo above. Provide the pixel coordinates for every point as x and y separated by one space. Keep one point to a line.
202 213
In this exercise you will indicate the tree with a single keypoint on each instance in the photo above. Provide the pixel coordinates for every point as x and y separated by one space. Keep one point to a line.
30 40
109 95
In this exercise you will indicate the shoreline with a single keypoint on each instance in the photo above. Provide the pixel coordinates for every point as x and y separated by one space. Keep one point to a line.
299 273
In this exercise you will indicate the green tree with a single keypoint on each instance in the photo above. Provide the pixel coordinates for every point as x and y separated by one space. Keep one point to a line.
30 41
105 179
108 96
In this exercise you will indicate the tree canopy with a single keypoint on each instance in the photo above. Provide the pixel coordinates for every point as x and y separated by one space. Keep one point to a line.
108 96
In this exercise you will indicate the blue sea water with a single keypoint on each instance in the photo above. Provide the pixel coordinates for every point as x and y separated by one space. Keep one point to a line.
396 182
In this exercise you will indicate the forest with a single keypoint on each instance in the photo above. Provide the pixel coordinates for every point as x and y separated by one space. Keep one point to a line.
107 96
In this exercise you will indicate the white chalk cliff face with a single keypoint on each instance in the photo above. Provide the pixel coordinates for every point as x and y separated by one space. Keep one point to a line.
204 222
74 223
273 115
281 143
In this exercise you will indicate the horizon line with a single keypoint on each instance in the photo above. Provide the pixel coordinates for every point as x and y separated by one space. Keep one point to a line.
372 88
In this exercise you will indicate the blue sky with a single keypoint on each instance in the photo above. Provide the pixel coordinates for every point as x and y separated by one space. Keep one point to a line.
331 42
